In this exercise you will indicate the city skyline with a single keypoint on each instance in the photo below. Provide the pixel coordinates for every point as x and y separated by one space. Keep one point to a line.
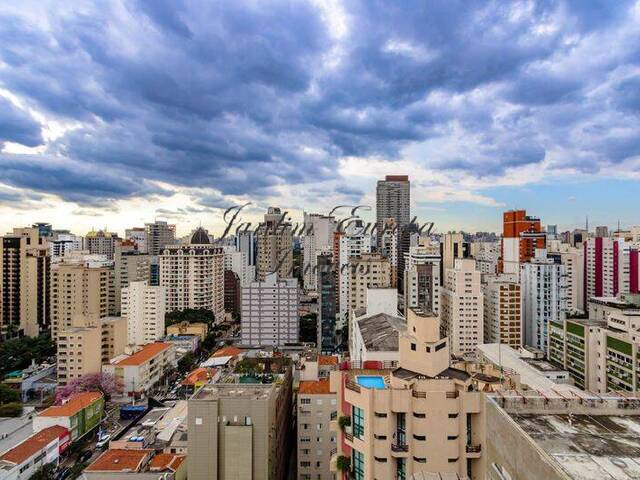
116 114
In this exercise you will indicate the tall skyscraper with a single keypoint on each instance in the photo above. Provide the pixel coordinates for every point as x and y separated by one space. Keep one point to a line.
393 200
422 278
144 307
502 311
158 235
275 246
607 267
543 288
408 236
452 246
130 265
521 236
317 239
193 275
246 243
370 270
461 307
327 295
24 283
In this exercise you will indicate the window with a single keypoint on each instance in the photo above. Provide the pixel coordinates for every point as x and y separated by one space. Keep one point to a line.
305 401
413 347
358 465
358 423
401 469
420 459
380 415
419 437
419 415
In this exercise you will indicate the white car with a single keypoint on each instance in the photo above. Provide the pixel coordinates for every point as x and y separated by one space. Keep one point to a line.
103 441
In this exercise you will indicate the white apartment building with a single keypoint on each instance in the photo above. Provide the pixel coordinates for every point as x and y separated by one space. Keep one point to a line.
422 278
607 267
129 265
138 235
502 311
316 240
461 307
144 307
238 263
63 243
351 243
269 312
486 255
367 271
573 260
193 275
544 283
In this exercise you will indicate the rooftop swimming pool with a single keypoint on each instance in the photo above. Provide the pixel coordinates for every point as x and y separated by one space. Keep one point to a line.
370 381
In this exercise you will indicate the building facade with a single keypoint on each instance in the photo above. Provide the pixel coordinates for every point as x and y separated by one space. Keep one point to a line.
317 239
502 311
393 200
369 270
144 308
159 235
274 240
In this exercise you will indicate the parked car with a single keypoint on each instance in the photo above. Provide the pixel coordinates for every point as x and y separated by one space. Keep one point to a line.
84 456
103 441
65 473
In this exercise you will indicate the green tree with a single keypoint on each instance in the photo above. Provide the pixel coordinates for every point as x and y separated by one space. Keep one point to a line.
46 472
191 315
17 353
11 409
8 394
187 363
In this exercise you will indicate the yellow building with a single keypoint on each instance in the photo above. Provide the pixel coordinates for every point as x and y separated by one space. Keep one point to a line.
186 328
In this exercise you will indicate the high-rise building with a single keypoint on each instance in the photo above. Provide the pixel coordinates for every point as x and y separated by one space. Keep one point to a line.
422 278
607 267
101 243
270 311
63 242
79 289
144 308
246 243
389 247
543 282
317 239
502 311
423 419
521 236
158 235
88 344
237 262
274 238
193 275
487 256
461 307
573 260
24 284
370 270
232 290
247 427
393 200
137 235
327 295
602 232
130 265
353 242
452 246
408 236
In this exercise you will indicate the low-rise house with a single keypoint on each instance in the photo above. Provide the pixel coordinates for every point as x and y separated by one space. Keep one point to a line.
144 370
42 448
224 356
199 377
80 414
186 328
117 464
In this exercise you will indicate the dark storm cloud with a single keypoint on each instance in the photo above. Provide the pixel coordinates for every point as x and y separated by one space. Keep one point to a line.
244 97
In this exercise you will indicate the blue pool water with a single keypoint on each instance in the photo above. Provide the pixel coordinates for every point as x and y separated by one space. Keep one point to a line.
370 381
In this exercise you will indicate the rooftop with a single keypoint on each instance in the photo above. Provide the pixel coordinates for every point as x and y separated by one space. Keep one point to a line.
327 360
314 387
221 390
588 447
227 352
32 445
120 460
144 355
166 461
199 375
380 332
73 405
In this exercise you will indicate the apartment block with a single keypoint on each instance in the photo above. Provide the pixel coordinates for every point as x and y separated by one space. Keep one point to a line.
240 431
393 200
274 238
63 242
424 417
24 284
607 267
422 278
462 307
144 308
573 260
237 262
502 311
327 304
369 270
521 236
270 311
143 370
316 408
543 290
79 414
137 235
452 247
487 256
193 275
389 246
101 243
159 235
79 289
317 239
83 348
129 265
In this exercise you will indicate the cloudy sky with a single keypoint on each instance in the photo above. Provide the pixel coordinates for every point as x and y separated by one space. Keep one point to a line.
113 113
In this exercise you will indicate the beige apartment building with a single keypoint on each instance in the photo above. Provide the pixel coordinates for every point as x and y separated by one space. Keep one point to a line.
274 239
424 417
144 370
101 243
84 348
239 431
24 283
502 311
158 235
369 270
79 290
193 275
144 307
573 260
461 307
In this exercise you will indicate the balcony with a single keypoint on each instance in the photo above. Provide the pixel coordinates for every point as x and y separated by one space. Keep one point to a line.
452 394
473 451
348 436
353 386
399 450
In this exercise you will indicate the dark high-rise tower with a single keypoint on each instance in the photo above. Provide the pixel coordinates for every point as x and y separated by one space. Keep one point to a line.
393 201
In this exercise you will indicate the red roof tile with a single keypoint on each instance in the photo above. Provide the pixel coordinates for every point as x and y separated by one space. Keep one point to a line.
227 352
313 387
199 375
72 406
327 360
34 444
144 355
120 460
166 461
